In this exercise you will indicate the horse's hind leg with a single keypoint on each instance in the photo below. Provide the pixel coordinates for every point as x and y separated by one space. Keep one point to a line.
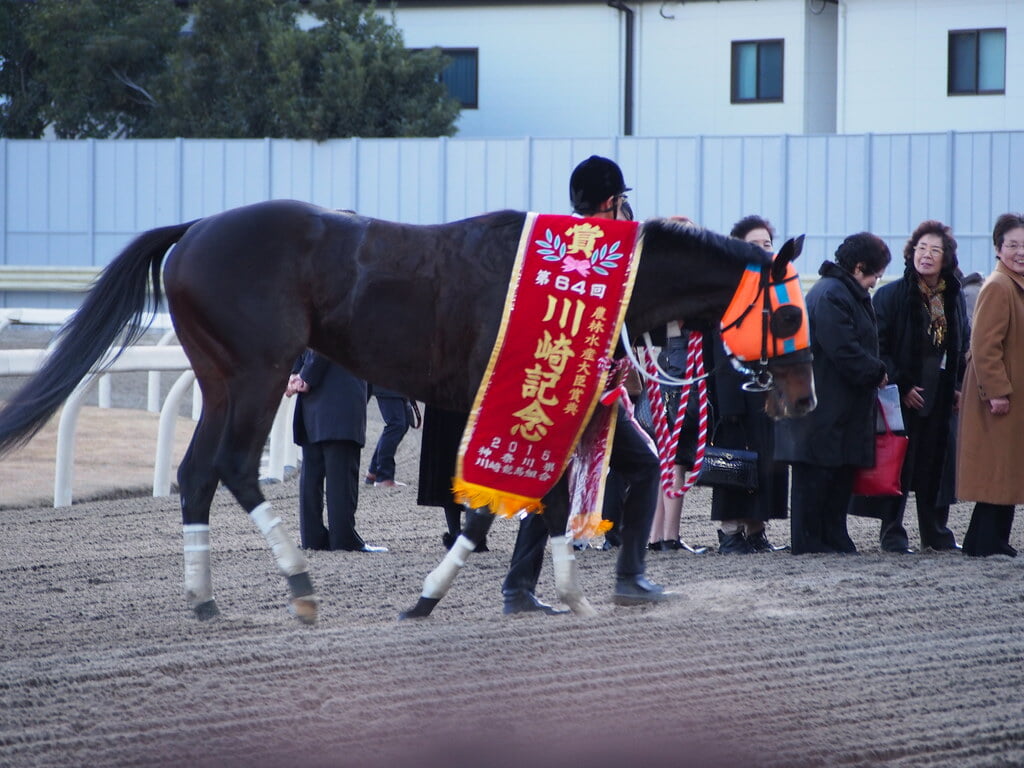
197 482
439 580
253 402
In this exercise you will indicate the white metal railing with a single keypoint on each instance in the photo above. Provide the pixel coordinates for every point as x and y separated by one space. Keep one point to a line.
20 362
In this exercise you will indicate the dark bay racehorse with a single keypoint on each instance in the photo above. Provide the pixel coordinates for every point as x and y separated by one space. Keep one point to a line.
412 308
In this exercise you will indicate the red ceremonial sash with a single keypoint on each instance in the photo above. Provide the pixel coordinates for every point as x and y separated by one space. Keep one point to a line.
566 300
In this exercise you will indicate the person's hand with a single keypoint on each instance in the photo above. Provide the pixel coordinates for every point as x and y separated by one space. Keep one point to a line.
884 382
999 406
914 400
295 385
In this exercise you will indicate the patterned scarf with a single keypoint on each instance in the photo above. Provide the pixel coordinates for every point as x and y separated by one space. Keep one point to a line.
933 299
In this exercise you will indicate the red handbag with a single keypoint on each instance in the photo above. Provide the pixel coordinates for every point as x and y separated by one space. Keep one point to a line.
883 479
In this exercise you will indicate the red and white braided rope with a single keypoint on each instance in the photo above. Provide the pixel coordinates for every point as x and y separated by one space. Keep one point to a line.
668 439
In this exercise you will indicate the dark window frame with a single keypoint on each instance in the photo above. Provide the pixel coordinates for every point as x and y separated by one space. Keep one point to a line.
976 91
737 45
473 103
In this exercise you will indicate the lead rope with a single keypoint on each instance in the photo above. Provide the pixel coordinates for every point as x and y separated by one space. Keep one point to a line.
668 439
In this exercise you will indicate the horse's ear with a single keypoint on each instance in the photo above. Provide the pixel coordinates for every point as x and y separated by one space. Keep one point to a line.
788 253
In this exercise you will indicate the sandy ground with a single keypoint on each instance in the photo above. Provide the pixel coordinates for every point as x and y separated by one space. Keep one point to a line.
764 660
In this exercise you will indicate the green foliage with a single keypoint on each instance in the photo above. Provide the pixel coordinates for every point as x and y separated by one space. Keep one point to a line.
236 69
22 94
352 76
97 59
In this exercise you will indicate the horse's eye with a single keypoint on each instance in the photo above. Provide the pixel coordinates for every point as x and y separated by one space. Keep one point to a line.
786 321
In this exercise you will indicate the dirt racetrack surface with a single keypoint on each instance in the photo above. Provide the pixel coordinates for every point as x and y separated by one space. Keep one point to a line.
763 660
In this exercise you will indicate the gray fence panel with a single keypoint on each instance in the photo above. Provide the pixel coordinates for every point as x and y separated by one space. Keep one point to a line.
78 202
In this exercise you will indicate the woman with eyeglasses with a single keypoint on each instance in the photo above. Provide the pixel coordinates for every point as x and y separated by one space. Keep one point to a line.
922 339
991 438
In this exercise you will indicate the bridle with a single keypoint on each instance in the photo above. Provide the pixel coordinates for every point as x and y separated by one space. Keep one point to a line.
783 333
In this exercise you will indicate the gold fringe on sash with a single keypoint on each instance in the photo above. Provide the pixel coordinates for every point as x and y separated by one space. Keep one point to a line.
498 502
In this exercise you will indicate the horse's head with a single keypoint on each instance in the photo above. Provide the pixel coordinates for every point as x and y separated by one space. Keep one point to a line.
765 330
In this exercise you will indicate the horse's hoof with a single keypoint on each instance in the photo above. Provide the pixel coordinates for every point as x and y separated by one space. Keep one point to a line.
421 610
304 609
582 607
205 610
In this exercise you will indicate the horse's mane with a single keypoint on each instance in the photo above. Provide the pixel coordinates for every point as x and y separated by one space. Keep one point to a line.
666 233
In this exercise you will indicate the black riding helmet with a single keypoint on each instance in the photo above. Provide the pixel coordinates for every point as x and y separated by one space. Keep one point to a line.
593 181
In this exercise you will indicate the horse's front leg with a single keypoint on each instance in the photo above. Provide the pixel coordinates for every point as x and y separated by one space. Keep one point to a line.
567 585
439 580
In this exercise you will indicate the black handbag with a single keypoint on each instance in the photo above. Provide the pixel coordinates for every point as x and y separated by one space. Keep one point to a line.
729 468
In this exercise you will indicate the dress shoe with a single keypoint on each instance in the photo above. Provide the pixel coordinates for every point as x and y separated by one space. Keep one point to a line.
659 546
900 551
368 548
758 542
389 484
953 548
639 590
733 544
679 544
524 601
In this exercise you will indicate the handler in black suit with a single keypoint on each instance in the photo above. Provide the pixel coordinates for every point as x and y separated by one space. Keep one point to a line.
330 425
597 189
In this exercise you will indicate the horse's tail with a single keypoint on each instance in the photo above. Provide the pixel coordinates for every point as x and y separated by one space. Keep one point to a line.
115 307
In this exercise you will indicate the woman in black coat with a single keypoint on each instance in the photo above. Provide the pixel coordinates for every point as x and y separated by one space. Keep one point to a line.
827 445
923 339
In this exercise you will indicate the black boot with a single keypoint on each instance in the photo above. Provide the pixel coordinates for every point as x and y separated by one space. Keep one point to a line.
733 544
758 542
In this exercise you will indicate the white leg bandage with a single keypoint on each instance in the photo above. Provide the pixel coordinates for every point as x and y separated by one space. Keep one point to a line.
439 580
198 587
289 559
563 561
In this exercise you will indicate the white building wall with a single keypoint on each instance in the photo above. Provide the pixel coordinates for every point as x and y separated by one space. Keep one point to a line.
546 70
685 68
820 74
895 56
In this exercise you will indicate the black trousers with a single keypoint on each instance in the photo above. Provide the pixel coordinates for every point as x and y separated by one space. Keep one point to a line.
637 467
396 424
989 530
932 520
333 464
818 509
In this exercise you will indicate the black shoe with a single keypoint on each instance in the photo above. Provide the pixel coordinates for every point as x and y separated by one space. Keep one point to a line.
900 551
659 546
954 547
733 544
638 590
524 601
679 544
368 548
758 542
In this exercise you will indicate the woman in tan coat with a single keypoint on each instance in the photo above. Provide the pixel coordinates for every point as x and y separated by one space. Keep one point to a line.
991 436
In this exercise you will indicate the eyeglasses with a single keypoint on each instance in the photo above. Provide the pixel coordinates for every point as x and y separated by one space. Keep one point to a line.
1013 246
934 250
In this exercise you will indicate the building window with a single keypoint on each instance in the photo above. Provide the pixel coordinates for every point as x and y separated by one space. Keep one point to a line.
460 76
977 61
756 71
